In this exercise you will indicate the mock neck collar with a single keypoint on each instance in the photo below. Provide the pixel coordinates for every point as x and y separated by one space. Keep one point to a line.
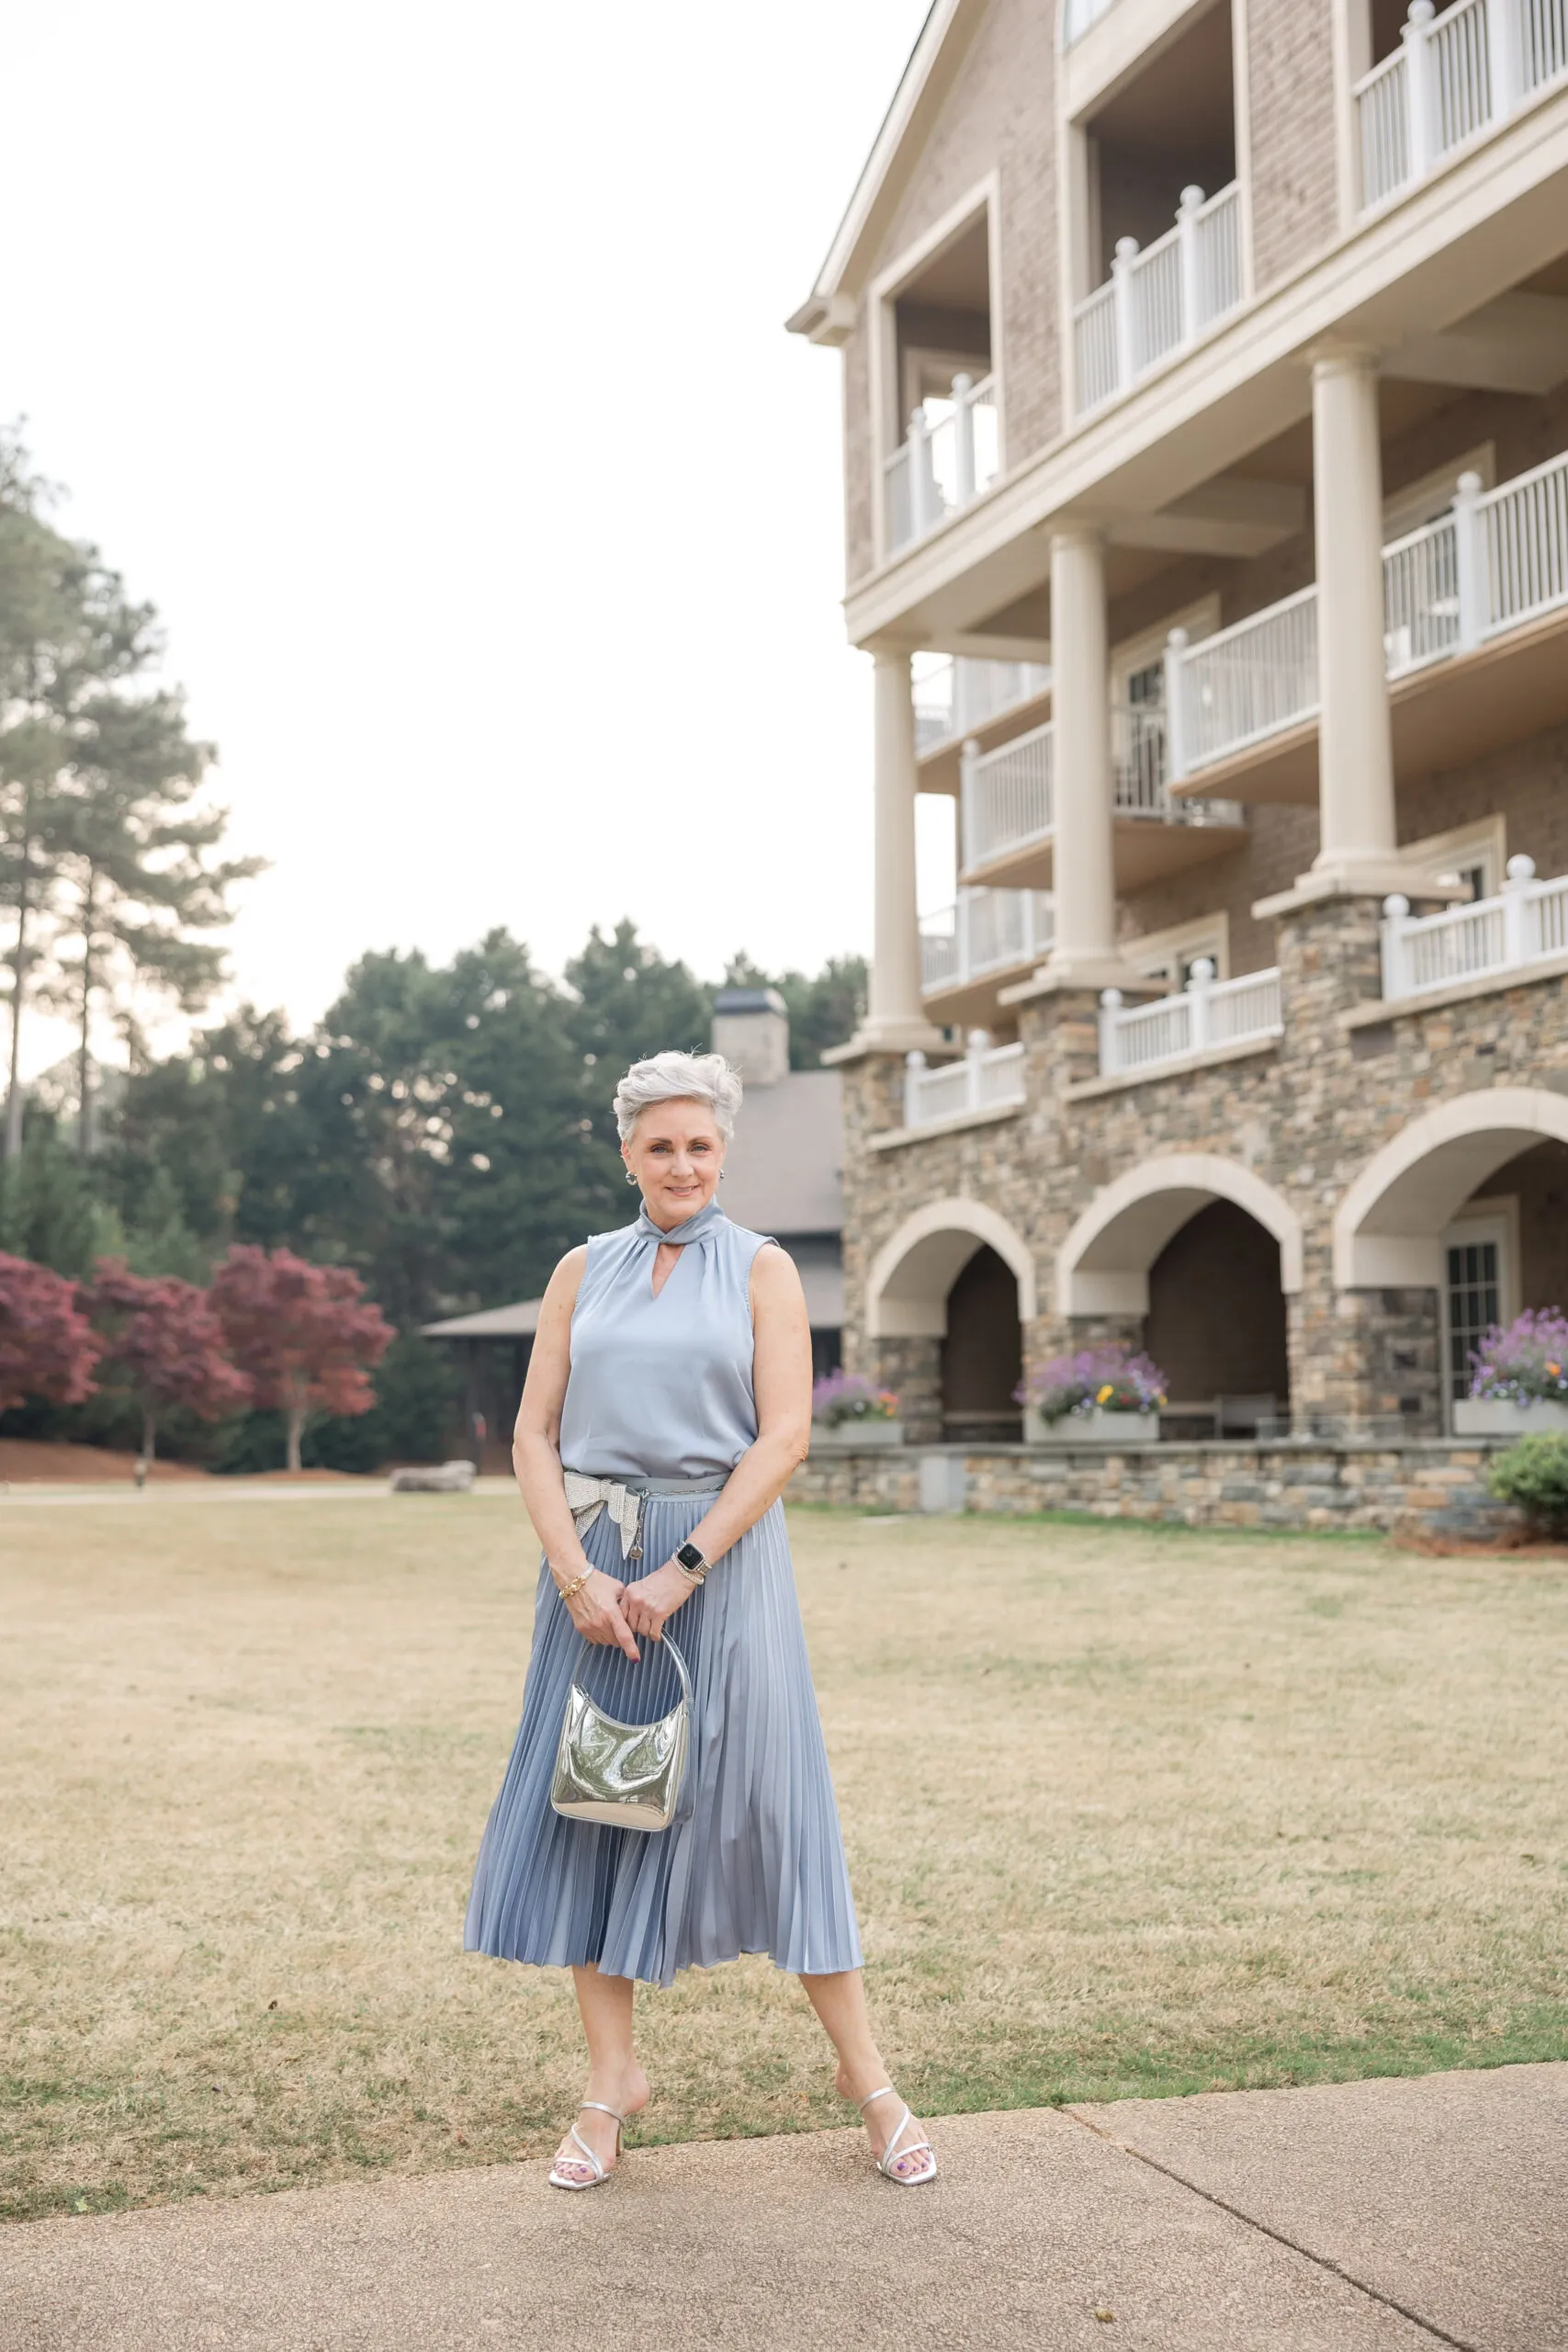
691 1228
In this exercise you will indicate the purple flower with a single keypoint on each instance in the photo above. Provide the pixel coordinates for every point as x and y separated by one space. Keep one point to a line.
1529 1360
1109 1377
847 1396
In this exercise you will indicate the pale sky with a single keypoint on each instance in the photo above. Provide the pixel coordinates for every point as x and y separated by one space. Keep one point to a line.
426 367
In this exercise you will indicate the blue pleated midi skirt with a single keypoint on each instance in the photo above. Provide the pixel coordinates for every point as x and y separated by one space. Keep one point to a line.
754 1861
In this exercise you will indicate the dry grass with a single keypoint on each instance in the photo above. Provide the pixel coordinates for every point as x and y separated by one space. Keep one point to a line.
1127 1810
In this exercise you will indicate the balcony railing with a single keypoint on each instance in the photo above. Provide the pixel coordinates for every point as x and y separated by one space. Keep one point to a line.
1527 923
1009 794
1207 1013
945 464
1498 560
985 932
1454 74
954 696
988 1078
1161 300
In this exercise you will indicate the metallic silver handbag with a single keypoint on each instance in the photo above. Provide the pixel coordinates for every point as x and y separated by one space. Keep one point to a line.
626 1776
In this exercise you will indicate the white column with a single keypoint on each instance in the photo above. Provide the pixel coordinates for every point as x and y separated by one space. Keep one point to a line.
1083 880
894 1017
1355 745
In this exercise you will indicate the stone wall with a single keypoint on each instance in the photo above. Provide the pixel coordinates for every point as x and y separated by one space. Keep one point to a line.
1417 1490
1304 1115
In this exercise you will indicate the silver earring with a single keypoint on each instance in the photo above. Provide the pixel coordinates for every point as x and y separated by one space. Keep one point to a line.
630 1177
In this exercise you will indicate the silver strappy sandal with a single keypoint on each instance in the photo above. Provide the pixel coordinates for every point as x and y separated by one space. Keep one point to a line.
601 2170
893 2154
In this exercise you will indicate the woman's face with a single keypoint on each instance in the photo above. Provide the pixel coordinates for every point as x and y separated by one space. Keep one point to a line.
675 1151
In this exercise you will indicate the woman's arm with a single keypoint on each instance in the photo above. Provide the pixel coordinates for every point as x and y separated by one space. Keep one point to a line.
536 1456
781 1377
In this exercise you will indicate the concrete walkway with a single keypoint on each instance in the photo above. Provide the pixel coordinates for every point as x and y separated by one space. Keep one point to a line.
1366 2216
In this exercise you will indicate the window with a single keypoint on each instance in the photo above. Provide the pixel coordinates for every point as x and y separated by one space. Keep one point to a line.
1480 1257
1169 956
1477 853
1422 502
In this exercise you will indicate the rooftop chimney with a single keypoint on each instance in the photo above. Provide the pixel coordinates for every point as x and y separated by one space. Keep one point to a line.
750 1029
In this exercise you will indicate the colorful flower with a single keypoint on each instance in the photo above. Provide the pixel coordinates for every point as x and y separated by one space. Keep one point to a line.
1525 1361
1109 1376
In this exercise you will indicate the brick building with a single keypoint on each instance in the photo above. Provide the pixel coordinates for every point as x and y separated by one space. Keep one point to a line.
1205 370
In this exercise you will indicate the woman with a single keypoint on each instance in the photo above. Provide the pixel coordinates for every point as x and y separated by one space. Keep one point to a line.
672 1370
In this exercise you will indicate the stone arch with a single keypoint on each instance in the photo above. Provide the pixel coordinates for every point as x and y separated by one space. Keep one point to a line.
1103 1267
1388 1227
913 1271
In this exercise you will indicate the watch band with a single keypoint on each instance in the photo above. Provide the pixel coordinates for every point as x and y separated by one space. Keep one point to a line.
692 1562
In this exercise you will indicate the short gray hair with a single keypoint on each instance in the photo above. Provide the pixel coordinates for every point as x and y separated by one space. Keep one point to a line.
679 1077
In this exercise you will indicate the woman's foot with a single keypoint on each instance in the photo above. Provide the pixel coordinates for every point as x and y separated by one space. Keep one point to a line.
624 2094
887 2118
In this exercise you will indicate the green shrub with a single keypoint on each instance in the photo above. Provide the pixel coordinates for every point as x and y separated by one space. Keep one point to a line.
1534 1474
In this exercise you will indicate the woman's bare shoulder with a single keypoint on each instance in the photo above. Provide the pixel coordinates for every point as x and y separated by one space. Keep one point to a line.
774 1275
562 1287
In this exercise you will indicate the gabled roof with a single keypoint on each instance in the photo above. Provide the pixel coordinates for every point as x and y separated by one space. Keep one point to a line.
827 314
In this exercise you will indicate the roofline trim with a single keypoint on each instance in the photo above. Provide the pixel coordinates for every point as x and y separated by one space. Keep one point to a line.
920 90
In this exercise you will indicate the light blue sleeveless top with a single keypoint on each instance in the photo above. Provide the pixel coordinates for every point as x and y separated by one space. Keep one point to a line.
661 1387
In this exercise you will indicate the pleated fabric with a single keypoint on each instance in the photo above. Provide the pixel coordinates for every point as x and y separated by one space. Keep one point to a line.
755 1861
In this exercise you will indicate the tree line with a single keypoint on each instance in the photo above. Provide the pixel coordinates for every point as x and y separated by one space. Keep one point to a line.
443 1133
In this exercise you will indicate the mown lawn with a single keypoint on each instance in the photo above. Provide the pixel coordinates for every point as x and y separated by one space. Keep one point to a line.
1128 1811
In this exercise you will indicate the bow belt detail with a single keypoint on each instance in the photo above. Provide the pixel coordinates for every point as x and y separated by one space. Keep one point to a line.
624 1498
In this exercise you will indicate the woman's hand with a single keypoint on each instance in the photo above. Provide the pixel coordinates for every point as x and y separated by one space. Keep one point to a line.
595 1609
652 1599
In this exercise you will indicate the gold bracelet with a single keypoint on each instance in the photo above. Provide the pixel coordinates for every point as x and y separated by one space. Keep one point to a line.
566 1590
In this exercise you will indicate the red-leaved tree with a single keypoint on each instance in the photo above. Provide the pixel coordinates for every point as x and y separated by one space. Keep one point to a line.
305 1337
162 1340
48 1347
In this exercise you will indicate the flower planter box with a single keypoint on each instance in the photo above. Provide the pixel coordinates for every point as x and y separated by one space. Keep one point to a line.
1501 1417
855 1437
1099 1428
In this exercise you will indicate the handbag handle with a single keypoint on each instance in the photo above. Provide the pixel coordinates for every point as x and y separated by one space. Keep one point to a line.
668 1641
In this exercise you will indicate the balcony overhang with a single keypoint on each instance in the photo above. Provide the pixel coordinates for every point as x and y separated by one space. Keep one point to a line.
1454 711
938 768
1463 239
1145 850
972 1004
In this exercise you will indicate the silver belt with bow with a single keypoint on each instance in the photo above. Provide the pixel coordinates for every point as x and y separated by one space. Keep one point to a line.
624 1498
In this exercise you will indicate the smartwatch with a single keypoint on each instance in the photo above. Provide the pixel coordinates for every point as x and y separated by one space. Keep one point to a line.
691 1560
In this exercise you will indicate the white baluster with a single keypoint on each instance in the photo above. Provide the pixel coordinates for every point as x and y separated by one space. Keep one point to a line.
1505 80
968 801
1175 704
975 1046
961 928
1470 561
1200 980
1121 298
922 481
1109 1039
1415 33
1517 910
1187 213
1395 915
914 1064
963 438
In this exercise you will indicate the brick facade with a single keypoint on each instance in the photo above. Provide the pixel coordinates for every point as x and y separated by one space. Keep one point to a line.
1291 102
998 116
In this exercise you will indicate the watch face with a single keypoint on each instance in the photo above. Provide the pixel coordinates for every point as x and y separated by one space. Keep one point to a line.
689 1556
